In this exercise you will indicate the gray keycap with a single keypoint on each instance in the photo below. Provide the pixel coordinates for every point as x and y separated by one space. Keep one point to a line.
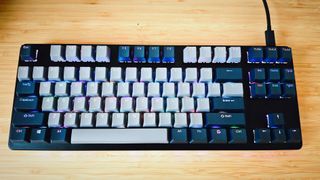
142 104
165 120
79 104
138 89
133 120
48 104
183 90
119 136
220 55
57 53
92 89
123 89
70 120
38 73
76 89
187 104
234 55
102 120
95 104
115 74
157 104
146 74
176 75
72 53
107 89
100 74
61 89
85 74
205 75
131 74
149 120
118 120
172 105
203 105
214 90
126 104
54 120
161 75
153 90
111 104
87 53
168 90
199 90
103 54
86 120
196 120
191 75
180 120
54 73
232 90
190 54
63 104
69 74
205 55
45 89
23 73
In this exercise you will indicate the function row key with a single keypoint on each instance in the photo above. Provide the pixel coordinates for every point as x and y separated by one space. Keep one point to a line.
83 53
206 55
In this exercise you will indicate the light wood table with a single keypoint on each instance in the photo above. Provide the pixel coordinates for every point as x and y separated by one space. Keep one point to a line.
230 22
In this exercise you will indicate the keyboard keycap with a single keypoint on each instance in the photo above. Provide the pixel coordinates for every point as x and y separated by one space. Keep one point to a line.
214 90
180 120
103 54
76 89
26 103
19 135
115 74
218 136
172 105
274 75
271 54
119 136
205 75
124 54
176 75
257 75
118 120
23 73
63 104
293 136
142 104
85 74
95 104
25 88
187 104
288 75
79 104
190 54
191 75
203 105
28 119
289 90
57 53
146 75
72 53
238 136
220 55
232 90
255 54
157 104
285 55
168 54
228 74
86 120
27 53
165 120
92 89
38 135
278 136
139 54
205 55
46 89
224 119
275 120
133 120
70 120
179 136
107 89
220 104
38 73
87 53
261 136
48 104
126 104
131 74
61 89
199 90
149 120
54 120
161 75
234 55
198 136
100 74
102 120
123 90
274 90
59 136
154 54
196 120
138 89
154 90
183 90
111 104
54 73
258 90
168 90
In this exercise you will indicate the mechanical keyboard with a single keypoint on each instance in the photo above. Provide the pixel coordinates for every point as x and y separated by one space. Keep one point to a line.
139 97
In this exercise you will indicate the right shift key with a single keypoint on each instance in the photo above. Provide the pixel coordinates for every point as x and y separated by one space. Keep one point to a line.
228 74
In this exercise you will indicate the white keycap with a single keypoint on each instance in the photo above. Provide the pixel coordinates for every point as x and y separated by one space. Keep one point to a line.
70 120
214 90
123 89
232 89
85 74
23 73
111 104
69 74
205 75
146 75
199 90
76 89
180 120
72 53
126 104
118 120
161 75
234 55
92 89
48 104
168 90
153 90
133 120
157 104
149 120
45 89
38 73
203 105
220 55
100 74
107 89
87 53
63 104
131 74
86 120
142 104
56 53
60 89
172 105
102 120
196 120
187 104
176 75
79 104
103 54
115 74
165 120
205 55
54 120
138 89
190 55
95 104
183 90
191 75
54 73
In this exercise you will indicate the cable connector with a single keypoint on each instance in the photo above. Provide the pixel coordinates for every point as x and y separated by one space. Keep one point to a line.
270 38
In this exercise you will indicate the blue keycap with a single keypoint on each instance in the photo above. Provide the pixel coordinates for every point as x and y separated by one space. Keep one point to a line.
198 136
154 54
289 90
124 54
27 53
59 136
274 90
28 119
271 54
38 135
293 135
224 119
261 136
168 54
228 74
18 135
274 75
258 90
179 136
275 120
238 136
257 75
218 136
26 103
139 54
255 54
287 75
278 136
285 55
26 88
227 104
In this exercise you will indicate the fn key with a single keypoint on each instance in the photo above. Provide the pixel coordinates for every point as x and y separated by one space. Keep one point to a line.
59 136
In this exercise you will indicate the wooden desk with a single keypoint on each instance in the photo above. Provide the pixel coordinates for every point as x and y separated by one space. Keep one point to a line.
163 22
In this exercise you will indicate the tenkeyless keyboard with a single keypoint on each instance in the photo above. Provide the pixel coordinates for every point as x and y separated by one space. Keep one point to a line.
109 97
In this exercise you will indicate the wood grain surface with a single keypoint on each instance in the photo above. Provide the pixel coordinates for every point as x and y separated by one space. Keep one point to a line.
203 22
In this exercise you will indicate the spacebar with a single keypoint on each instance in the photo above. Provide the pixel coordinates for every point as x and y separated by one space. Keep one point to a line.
119 136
